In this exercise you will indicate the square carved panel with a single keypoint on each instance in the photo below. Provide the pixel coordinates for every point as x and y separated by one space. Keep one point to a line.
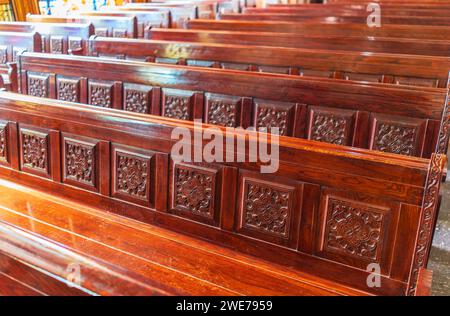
100 93
80 161
398 135
356 229
75 43
178 104
68 89
266 207
269 208
38 84
223 110
194 192
330 125
137 98
3 142
132 172
56 44
35 151
270 114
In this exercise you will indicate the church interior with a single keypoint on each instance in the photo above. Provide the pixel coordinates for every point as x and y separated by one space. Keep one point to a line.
224 148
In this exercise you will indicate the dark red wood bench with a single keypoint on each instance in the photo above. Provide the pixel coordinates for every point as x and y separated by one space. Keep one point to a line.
359 44
180 14
57 38
377 67
400 119
322 29
361 19
145 19
317 194
12 44
104 25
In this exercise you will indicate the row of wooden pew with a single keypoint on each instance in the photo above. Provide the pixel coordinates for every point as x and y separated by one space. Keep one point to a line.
105 141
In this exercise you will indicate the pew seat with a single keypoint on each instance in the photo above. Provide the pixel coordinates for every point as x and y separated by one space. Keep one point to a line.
118 256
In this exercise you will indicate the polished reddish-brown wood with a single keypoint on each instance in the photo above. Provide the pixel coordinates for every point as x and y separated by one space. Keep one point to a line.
400 119
90 236
417 70
361 44
423 32
394 197
113 26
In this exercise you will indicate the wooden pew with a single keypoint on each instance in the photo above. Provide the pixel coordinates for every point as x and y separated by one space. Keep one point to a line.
399 119
145 19
179 14
112 267
104 25
318 191
12 44
388 68
205 9
56 38
325 10
423 32
362 19
358 44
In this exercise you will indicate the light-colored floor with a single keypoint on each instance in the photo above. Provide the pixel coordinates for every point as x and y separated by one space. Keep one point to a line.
440 252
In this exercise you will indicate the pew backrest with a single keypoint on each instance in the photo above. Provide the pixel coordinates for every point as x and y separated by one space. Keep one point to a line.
426 32
361 44
361 19
145 19
56 38
399 119
104 25
298 216
388 68
180 15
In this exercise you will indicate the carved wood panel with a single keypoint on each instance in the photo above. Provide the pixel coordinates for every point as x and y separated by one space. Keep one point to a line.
80 161
56 44
120 33
178 104
38 84
100 93
223 110
3 142
101 32
357 230
328 125
398 135
137 98
268 208
131 174
270 114
68 89
75 44
194 192
34 151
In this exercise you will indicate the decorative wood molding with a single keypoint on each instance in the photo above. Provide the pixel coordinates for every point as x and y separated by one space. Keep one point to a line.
427 219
